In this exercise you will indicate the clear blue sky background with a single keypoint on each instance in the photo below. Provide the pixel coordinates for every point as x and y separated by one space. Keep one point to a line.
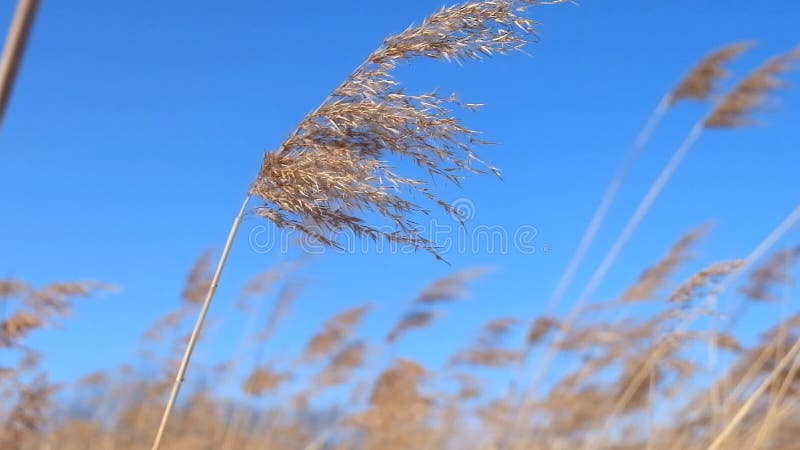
137 127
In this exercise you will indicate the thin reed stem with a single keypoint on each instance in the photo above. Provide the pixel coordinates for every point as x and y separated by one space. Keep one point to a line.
771 240
179 377
731 110
641 212
711 299
772 417
611 256
596 222
14 48
748 405
607 200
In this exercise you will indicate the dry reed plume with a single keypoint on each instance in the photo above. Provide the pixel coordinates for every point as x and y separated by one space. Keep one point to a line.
752 93
333 171
701 82
330 173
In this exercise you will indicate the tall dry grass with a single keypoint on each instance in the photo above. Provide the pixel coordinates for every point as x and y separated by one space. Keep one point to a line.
625 380
333 170
632 371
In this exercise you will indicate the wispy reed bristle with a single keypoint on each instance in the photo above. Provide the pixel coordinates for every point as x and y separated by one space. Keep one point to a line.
451 287
736 109
412 320
654 278
263 380
334 332
540 328
342 364
17 327
199 280
701 82
287 295
693 287
776 270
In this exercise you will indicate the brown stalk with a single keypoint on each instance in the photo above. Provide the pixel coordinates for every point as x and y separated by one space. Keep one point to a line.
14 48
184 364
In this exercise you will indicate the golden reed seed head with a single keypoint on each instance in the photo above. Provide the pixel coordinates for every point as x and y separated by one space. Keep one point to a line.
263 380
487 357
334 332
333 170
656 276
701 82
17 327
540 328
692 287
288 294
752 93
412 320
452 287
342 364
13 288
199 280
776 270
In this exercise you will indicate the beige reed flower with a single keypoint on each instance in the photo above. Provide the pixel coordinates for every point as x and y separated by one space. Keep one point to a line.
336 168
736 108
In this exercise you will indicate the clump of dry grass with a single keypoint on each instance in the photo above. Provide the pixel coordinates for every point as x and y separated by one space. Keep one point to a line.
398 410
616 373
28 418
25 392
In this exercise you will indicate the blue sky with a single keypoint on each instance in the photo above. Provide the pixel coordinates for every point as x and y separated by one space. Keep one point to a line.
136 129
